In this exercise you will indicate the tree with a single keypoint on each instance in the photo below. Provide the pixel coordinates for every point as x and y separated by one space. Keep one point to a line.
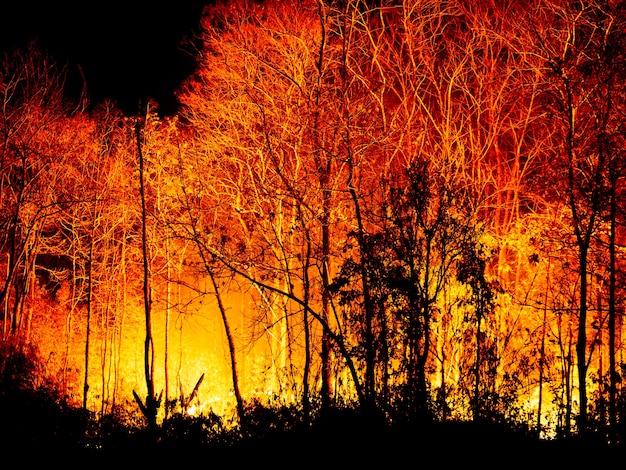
580 50
33 111
152 403
266 141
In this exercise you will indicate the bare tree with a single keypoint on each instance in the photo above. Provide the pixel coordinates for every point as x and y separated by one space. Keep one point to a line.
152 402
33 110
579 51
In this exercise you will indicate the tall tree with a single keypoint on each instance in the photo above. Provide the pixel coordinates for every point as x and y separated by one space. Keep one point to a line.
277 138
151 405
34 114
580 49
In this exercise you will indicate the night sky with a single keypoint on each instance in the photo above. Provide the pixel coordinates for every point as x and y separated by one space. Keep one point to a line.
128 50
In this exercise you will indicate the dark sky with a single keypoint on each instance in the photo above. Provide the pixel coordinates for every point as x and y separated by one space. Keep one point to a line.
128 50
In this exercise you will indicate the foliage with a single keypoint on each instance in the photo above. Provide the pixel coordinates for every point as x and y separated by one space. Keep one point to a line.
179 431
263 421
33 412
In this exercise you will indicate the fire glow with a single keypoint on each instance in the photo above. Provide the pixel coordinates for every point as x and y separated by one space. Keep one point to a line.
414 207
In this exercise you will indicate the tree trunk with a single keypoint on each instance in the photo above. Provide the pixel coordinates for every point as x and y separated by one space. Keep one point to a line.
231 350
306 401
89 310
151 404
613 375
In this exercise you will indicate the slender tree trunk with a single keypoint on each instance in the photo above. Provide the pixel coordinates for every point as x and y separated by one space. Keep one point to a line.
423 335
569 367
168 301
89 310
121 311
325 354
306 401
581 344
324 168
613 375
151 405
542 353
370 353
231 349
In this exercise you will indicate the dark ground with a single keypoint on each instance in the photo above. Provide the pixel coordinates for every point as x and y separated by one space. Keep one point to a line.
341 445
39 431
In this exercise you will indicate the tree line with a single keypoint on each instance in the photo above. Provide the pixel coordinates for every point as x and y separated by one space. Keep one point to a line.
423 203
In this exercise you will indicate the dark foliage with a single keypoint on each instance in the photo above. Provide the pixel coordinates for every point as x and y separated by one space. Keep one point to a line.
264 421
37 424
33 414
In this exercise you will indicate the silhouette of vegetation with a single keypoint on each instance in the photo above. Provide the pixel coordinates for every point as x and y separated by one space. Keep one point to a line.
36 418
32 411
381 229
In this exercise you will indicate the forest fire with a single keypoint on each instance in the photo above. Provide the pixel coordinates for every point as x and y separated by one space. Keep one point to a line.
410 207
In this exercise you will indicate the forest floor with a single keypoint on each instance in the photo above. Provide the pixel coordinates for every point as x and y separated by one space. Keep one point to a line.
37 431
344 446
